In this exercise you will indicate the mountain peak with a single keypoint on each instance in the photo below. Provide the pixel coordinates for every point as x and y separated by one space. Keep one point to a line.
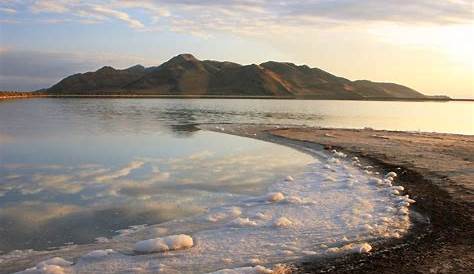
136 68
186 75
181 58
106 69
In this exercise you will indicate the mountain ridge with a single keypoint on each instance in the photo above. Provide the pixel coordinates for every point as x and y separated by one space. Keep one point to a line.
184 74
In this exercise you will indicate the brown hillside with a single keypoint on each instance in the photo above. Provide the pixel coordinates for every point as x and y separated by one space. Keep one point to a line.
186 75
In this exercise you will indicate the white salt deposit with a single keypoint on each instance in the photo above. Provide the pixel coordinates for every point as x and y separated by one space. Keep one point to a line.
399 188
261 216
334 208
55 261
255 261
224 214
243 222
47 269
394 192
102 240
376 181
245 270
338 154
391 175
351 248
334 161
364 248
403 211
55 265
173 242
275 197
96 254
282 222
294 200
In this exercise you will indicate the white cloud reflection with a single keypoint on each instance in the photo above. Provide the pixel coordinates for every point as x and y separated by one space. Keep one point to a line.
170 180
56 198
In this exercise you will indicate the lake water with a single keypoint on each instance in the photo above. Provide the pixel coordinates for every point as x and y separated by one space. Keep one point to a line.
83 171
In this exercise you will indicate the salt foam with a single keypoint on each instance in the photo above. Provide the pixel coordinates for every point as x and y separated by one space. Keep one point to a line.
173 242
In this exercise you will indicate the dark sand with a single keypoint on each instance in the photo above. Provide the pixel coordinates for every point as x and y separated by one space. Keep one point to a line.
437 170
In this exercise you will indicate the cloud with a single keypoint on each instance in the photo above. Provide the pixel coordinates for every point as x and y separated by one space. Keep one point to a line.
118 15
263 17
36 212
401 11
84 11
9 21
124 171
157 10
296 31
255 17
7 10
51 6
59 183
244 16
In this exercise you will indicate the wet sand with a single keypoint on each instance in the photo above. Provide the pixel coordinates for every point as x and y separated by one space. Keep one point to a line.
437 170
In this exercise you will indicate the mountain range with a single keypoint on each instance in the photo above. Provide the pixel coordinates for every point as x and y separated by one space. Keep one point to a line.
186 75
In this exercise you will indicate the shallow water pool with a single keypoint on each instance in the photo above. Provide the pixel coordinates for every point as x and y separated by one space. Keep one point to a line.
82 175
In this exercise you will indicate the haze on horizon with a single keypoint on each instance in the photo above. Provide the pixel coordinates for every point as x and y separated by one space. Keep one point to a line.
424 44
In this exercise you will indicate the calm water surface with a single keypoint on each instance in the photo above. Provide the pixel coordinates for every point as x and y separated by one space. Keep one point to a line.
72 170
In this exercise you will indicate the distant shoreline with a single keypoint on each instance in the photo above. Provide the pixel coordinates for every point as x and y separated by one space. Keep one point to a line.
152 96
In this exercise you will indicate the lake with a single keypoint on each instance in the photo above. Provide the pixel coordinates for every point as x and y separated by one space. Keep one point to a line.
83 174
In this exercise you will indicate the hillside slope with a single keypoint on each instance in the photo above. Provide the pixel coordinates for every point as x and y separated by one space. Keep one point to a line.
186 75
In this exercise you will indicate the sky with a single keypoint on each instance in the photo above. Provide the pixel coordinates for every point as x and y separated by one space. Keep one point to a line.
427 45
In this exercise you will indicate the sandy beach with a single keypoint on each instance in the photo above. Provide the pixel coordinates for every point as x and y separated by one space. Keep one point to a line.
437 170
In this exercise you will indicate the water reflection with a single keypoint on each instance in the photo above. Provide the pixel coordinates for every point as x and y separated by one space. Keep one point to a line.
183 130
49 205
76 169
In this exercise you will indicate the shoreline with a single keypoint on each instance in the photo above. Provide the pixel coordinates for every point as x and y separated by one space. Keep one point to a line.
173 96
446 243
